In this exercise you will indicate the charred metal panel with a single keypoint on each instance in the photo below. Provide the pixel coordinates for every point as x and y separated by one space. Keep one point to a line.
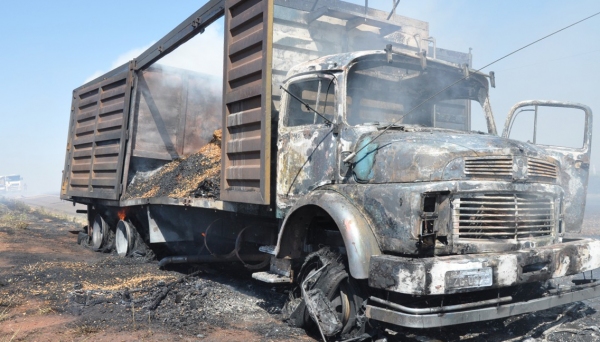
307 144
422 155
361 244
177 111
430 276
97 138
504 216
574 163
403 223
246 158
305 30
479 314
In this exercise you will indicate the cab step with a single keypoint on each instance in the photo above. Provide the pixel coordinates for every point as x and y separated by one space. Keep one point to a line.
267 249
271 277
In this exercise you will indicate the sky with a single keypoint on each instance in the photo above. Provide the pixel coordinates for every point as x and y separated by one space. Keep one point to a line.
50 48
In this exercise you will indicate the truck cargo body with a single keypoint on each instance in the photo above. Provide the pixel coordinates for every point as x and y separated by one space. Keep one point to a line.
339 129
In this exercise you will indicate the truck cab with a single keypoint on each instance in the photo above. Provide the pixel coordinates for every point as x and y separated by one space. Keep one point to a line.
14 183
379 160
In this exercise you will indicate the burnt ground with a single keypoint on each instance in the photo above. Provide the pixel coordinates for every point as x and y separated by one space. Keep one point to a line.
52 289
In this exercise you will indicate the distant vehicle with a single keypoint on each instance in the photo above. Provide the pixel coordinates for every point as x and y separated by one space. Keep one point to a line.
2 184
13 183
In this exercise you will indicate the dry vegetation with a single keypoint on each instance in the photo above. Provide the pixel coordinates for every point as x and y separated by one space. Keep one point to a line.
14 214
18 215
197 175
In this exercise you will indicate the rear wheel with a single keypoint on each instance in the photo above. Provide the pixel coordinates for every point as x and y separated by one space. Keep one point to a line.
102 236
343 292
124 238
99 233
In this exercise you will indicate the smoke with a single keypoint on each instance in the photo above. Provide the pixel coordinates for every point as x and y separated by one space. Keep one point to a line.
179 101
381 93
120 60
202 54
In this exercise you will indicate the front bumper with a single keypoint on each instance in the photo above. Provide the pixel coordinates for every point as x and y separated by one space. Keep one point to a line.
428 276
484 314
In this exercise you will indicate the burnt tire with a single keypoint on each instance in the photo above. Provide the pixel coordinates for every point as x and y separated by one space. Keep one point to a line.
338 286
124 238
103 238
83 239
99 233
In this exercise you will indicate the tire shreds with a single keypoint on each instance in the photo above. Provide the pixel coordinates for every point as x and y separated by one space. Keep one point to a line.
197 175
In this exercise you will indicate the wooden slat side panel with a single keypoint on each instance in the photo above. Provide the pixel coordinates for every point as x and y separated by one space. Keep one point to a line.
97 138
247 101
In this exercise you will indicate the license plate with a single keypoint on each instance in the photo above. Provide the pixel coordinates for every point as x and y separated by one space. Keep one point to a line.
469 278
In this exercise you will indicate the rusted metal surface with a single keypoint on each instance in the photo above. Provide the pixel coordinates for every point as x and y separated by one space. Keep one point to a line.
574 162
246 161
97 138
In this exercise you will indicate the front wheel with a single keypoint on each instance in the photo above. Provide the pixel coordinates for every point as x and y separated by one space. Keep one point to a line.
343 292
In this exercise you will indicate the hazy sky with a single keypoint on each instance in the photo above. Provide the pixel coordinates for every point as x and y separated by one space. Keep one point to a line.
51 47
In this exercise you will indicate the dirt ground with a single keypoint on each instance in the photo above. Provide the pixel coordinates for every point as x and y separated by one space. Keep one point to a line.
52 289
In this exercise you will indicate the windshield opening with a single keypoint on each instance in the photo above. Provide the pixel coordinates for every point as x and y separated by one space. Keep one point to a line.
382 93
13 178
318 94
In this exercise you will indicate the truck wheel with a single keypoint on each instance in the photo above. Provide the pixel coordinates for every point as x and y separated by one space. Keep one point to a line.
124 238
338 286
99 233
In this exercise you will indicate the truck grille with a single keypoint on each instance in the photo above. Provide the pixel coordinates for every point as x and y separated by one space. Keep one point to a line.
541 168
489 167
503 216
502 167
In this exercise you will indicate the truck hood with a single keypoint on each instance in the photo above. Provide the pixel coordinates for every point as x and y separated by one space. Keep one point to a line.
425 156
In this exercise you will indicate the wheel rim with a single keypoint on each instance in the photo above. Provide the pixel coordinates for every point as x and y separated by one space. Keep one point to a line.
341 303
98 233
121 240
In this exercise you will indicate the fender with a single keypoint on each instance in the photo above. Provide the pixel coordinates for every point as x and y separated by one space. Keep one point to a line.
358 236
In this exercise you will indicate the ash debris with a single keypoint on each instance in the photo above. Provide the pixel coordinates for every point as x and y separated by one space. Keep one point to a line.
197 175
210 187
198 304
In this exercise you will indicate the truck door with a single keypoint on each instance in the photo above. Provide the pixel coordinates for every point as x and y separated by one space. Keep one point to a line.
307 143
564 130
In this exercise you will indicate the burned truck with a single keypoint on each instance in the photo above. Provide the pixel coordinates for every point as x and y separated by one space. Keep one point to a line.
340 151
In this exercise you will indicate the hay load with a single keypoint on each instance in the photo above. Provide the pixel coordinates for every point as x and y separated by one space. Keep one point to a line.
197 175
